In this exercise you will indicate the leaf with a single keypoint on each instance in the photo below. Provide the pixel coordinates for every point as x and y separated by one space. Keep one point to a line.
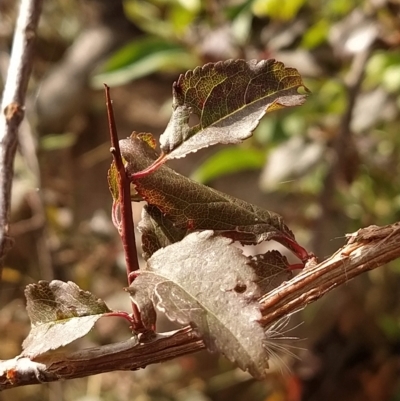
140 58
157 231
277 9
229 98
60 313
193 206
112 178
204 281
272 269
57 141
229 161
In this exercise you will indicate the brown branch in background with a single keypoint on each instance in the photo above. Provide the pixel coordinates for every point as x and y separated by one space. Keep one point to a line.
37 222
343 147
366 249
12 108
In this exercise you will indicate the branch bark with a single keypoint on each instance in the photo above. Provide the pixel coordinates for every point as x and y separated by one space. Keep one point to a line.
345 153
366 249
12 107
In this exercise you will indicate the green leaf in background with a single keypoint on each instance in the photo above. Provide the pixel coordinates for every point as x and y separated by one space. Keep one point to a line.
240 17
235 10
57 141
316 35
142 57
166 19
228 161
277 9
182 15
382 68
339 8
390 326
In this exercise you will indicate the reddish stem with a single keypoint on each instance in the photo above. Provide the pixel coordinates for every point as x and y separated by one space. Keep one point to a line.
297 249
153 167
295 266
125 206
125 225
122 314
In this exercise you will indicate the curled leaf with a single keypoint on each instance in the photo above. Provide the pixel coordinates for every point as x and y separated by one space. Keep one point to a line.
228 98
60 313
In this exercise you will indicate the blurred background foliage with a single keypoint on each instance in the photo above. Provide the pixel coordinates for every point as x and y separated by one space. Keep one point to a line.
329 167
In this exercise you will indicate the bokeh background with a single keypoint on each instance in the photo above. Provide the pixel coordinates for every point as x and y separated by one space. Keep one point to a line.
329 167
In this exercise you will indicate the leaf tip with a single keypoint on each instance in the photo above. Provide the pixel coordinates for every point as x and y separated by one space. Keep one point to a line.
145 137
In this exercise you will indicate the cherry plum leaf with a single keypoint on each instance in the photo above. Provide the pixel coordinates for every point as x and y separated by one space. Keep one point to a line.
192 206
228 99
60 313
112 178
157 231
205 281
272 269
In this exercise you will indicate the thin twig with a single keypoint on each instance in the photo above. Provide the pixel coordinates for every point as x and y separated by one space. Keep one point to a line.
367 249
12 108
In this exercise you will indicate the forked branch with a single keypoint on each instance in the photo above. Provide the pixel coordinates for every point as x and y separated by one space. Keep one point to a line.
366 249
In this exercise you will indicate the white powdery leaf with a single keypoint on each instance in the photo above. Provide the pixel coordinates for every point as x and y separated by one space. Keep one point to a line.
60 313
206 282
54 335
